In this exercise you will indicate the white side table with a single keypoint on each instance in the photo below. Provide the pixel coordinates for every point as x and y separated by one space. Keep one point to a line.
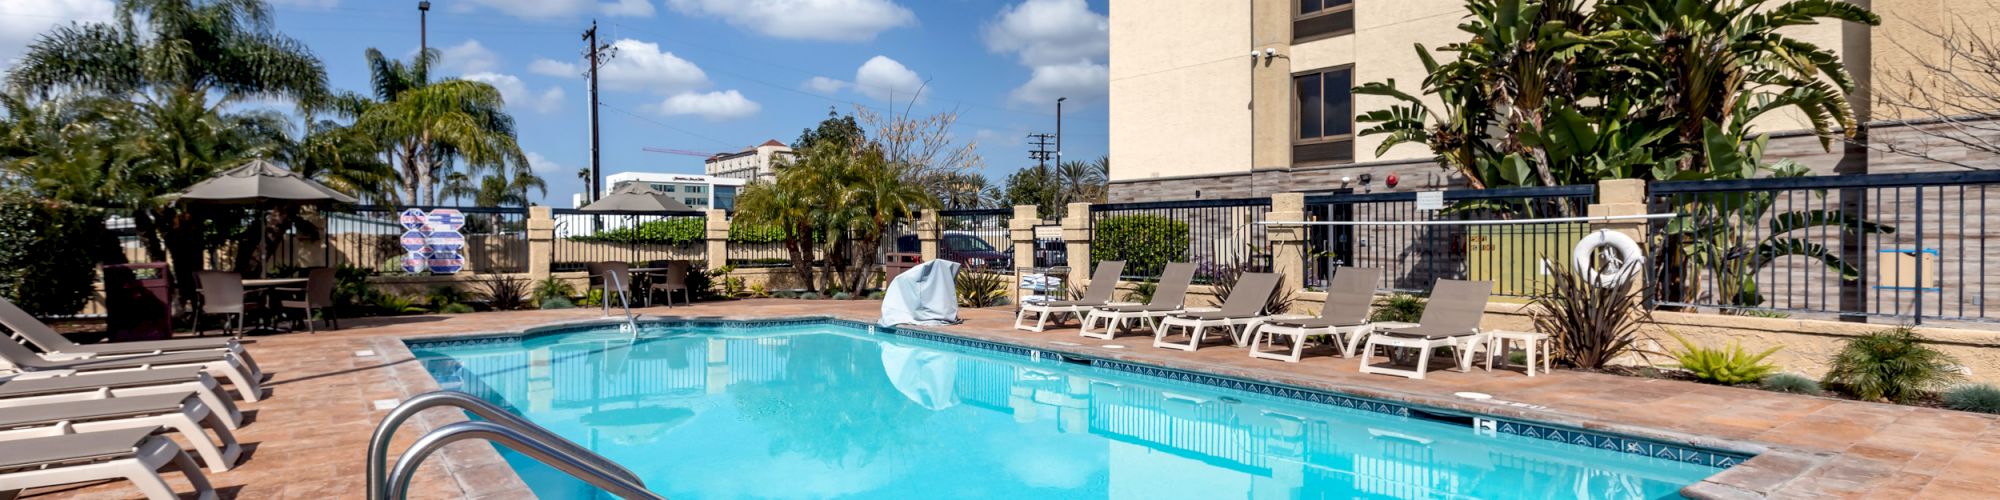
1532 342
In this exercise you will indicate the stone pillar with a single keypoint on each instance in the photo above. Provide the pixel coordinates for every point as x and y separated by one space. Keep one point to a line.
1022 230
541 242
1076 243
718 238
1288 242
1621 197
928 233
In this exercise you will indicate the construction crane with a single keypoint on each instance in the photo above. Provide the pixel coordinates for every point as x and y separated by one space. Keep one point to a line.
682 152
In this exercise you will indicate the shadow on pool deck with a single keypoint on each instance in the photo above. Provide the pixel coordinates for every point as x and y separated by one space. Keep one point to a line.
312 431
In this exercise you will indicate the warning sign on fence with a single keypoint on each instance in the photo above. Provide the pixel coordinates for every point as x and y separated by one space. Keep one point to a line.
433 240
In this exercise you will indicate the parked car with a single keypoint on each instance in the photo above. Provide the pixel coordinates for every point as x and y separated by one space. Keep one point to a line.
961 247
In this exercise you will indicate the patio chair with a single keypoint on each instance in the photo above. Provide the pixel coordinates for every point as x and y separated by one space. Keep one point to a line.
317 296
1344 317
220 364
182 413
222 293
1242 310
599 272
1167 299
1451 319
47 387
676 279
42 337
132 454
1103 283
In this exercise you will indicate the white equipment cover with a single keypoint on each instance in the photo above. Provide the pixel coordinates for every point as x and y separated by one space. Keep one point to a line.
924 295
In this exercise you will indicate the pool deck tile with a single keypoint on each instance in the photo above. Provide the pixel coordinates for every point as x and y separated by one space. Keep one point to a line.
307 439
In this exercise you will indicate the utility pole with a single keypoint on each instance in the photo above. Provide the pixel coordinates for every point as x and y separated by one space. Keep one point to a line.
598 55
1059 156
423 27
1041 154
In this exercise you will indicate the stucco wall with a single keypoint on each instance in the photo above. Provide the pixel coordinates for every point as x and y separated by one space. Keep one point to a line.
1180 89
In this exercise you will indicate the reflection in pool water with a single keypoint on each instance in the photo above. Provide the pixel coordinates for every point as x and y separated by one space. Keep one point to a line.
822 411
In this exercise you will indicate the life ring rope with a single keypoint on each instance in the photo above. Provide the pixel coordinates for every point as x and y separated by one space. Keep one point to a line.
1623 259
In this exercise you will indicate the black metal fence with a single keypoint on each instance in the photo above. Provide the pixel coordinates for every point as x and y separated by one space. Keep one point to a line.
1397 236
632 237
369 237
976 238
1213 234
1904 246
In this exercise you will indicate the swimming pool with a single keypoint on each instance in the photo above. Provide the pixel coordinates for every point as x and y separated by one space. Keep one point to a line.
817 409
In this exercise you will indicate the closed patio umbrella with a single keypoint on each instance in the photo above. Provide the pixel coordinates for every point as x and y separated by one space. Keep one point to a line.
635 197
260 183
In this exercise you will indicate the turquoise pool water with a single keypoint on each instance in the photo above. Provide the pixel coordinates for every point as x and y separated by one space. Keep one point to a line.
829 410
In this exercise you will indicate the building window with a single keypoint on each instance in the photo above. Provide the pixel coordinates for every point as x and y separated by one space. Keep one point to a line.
1318 19
1324 112
695 190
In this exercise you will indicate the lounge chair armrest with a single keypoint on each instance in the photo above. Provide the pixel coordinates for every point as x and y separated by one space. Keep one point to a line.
38 374
69 356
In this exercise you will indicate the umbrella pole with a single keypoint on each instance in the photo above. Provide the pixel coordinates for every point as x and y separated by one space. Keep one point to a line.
263 252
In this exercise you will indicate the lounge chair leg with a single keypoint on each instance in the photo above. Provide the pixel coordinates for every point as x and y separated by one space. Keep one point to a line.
1423 361
1298 347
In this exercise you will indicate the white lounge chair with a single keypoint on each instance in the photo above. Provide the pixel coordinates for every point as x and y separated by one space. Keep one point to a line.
55 346
1103 283
132 454
1241 311
1167 299
1344 317
1451 319
221 364
50 387
183 413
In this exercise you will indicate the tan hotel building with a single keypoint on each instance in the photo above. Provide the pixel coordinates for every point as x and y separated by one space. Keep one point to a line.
1237 98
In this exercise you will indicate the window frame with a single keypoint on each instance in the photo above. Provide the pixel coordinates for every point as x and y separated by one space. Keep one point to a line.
1323 11
1296 105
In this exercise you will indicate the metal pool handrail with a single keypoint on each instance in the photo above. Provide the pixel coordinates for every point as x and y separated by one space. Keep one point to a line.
525 437
631 322
525 443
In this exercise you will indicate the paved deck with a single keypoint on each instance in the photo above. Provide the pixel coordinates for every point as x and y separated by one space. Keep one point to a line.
307 440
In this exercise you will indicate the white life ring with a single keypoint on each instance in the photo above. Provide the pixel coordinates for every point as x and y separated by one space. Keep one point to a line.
1623 261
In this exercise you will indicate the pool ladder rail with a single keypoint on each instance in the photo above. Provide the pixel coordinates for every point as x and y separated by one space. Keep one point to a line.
500 427
624 301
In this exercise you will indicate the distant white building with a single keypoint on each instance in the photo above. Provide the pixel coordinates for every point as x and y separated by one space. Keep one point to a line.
752 163
700 192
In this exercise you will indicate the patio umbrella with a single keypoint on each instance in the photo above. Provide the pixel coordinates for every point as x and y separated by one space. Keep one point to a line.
260 183
635 197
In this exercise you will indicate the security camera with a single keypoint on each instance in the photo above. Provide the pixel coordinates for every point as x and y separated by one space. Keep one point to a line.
1270 52
1253 53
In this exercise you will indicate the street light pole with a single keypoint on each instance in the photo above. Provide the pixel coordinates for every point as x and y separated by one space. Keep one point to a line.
1059 157
423 27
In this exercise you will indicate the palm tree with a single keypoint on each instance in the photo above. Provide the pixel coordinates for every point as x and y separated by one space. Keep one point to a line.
786 205
157 65
880 191
430 126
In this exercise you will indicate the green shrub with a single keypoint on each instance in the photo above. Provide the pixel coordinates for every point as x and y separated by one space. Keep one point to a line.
455 308
980 289
809 296
1147 243
351 290
1982 398
1400 307
557 303
592 298
1729 366
841 296
876 295
1893 365
732 287
759 291
552 287
672 231
1791 383
1142 291
49 254
393 304
445 295
785 294
756 233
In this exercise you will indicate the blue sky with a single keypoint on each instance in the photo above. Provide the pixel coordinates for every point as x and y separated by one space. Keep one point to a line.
719 75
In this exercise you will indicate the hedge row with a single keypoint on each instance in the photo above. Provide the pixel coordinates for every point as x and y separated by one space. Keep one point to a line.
682 231
1147 243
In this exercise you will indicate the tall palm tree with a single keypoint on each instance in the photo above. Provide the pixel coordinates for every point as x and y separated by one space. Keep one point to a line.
787 205
882 194
430 126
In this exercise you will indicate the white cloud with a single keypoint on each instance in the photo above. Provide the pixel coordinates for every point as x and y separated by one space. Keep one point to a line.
517 93
629 8
643 66
1045 32
1075 81
561 9
1062 41
824 85
22 22
723 105
553 67
834 20
885 79
468 57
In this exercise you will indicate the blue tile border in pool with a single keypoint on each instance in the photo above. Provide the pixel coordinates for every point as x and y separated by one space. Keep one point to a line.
1579 437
